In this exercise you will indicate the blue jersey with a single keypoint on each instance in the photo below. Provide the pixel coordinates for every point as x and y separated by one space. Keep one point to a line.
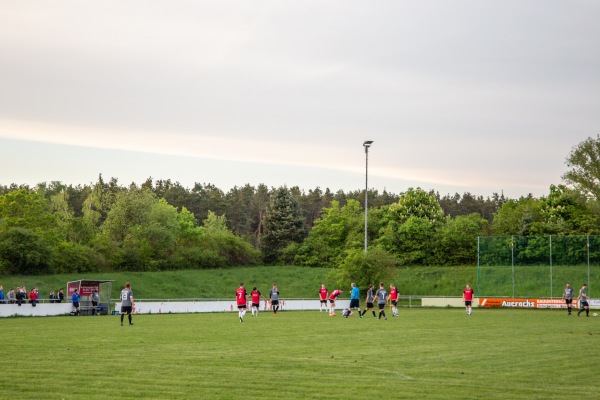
75 297
355 293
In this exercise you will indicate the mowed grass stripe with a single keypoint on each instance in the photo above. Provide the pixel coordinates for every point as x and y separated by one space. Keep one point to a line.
433 353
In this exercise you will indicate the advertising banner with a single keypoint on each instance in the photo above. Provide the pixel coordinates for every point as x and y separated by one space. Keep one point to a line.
84 289
506 302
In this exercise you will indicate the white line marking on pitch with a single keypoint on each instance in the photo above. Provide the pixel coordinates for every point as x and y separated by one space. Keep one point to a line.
392 372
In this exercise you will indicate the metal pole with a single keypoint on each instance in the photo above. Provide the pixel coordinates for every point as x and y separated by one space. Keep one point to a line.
588 262
550 266
512 261
366 195
366 145
478 266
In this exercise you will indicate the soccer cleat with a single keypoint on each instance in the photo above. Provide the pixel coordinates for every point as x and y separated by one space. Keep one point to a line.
385 318
131 323
121 324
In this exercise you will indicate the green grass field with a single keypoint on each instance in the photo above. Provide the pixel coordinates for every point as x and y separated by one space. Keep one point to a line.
425 353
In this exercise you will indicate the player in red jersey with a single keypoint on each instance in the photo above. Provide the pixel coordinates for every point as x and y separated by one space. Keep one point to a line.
255 298
468 298
393 299
332 297
241 299
323 297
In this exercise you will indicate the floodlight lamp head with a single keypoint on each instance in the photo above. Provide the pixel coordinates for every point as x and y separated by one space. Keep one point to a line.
367 143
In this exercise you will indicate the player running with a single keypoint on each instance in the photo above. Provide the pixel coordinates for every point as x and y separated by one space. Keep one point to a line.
468 298
255 299
568 297
369 301
355 298
323 297
274 296
241 298
381 300
583 301
393 299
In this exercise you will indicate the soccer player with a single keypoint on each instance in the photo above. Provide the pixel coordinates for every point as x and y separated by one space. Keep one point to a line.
354 297
381 300
332 297
583 301
369 301
347 313
323 297
468 298
95 300
393 299
274 296
127 303
241 297
75 299
568 297
255 299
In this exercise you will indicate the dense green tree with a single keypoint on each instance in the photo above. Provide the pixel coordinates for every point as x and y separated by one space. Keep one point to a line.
338 229
23 252
458 239
284 224
519 217
362 268
584 161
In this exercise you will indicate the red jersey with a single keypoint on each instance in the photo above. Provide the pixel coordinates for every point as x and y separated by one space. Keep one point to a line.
240 296
468 294
334 294
323 294
255 296
394 294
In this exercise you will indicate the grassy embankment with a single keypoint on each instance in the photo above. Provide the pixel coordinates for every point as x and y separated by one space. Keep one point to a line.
298 282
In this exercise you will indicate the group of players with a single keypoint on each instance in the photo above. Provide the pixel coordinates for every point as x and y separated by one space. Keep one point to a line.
327 300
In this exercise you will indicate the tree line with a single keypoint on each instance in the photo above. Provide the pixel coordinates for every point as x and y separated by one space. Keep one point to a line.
159 225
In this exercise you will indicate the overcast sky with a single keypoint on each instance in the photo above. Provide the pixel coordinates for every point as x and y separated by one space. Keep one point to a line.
458 96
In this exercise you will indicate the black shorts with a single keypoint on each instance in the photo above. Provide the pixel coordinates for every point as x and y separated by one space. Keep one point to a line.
126 309
369 305
468 303
94 303
323 301
394 302
241 306
257 305
569 301
275 302
381 306
76 305
331 301
583 304
354 303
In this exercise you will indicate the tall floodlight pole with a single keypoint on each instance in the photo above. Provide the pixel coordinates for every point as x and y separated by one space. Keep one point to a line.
366 145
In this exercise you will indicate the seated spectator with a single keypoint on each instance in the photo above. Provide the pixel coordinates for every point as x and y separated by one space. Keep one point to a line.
21 295
11 297
1 294
61 295
33 297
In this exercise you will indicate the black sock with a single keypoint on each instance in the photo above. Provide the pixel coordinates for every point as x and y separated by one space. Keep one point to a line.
129 317
579 312
122 318
587 312
374 313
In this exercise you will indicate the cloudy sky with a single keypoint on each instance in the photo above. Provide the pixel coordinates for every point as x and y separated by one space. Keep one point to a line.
458 96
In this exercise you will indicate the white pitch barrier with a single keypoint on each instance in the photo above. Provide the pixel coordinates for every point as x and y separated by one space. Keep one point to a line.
203 306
